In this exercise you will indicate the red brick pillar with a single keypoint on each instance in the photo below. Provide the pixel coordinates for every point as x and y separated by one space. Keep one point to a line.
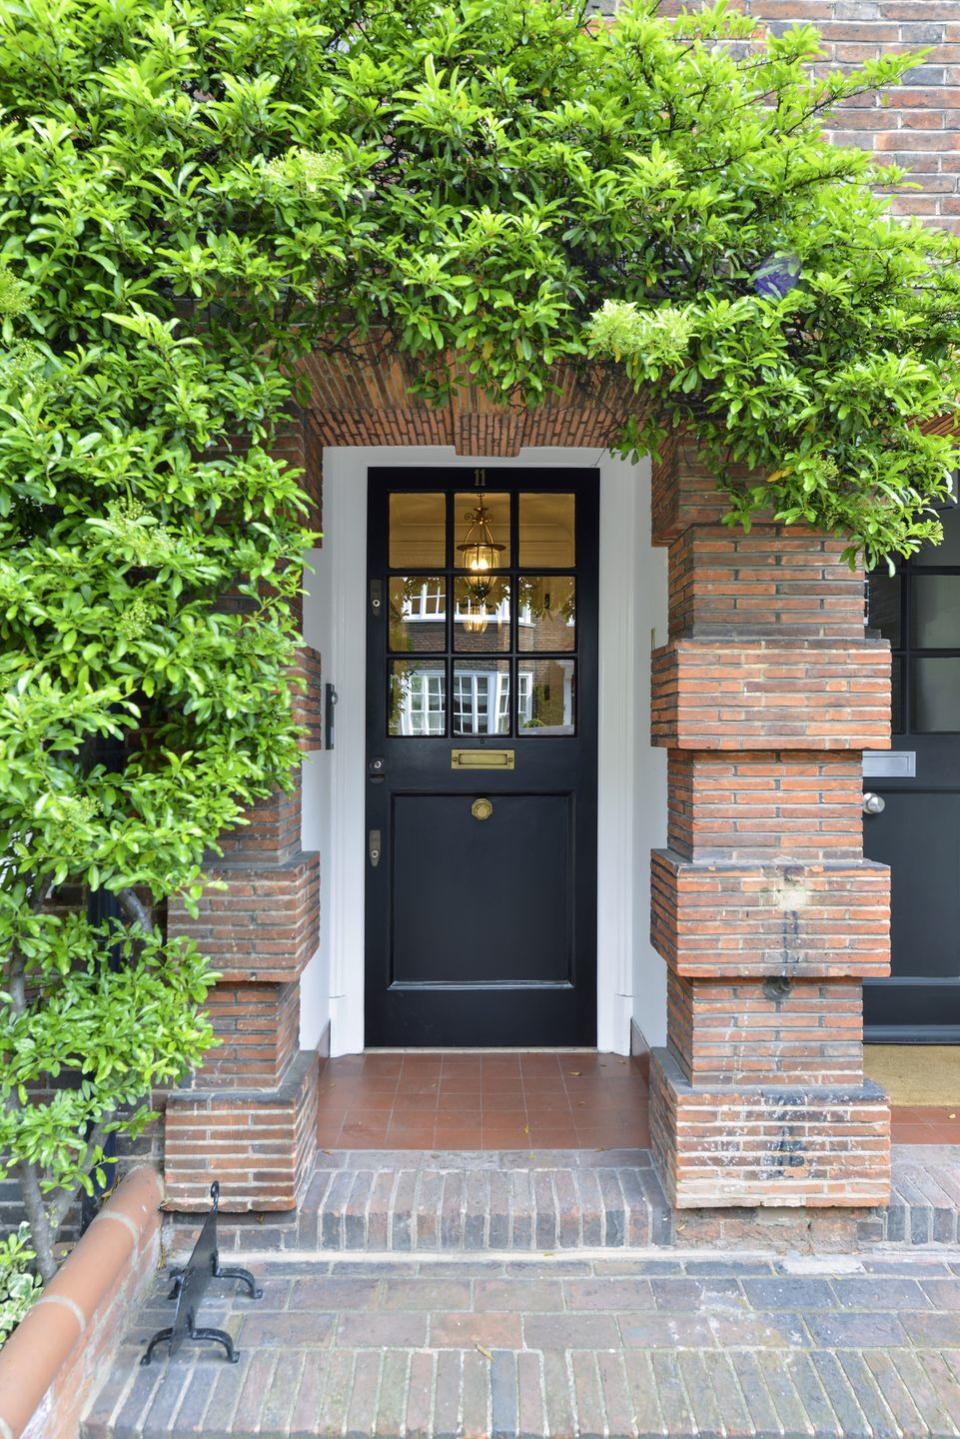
763 906
248 1117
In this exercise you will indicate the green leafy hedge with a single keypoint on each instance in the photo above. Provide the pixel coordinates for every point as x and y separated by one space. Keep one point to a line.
195 192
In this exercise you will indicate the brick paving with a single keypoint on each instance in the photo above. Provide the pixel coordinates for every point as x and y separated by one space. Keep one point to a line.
685 1345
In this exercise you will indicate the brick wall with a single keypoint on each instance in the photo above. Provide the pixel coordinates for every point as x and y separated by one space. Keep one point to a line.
744 807
750 694
780 1032
308 697
806 589
918 125
778 918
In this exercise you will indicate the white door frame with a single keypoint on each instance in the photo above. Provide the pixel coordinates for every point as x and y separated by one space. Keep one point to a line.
631 775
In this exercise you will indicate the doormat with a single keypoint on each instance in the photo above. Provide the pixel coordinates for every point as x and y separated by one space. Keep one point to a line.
916 1074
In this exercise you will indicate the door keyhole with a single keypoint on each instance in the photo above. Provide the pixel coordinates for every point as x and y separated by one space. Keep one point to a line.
481 809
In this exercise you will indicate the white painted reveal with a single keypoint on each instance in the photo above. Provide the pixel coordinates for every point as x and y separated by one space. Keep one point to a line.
632 774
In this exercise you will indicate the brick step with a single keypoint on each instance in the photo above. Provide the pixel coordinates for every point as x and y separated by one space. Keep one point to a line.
408 1200
382 1201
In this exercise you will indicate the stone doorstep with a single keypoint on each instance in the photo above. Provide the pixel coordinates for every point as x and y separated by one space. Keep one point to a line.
382 1201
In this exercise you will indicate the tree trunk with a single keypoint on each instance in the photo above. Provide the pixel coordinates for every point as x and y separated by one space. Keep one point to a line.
41 1234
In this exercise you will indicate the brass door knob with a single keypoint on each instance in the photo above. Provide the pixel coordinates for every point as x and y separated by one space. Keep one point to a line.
481 809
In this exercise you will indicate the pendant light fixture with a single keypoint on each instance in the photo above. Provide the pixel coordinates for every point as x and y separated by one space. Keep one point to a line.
480 552
480 555
475 615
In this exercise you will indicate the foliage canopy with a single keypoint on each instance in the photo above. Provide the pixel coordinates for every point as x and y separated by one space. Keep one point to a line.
195 192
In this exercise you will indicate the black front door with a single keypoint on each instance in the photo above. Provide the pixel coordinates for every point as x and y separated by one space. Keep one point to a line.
917 829
481 757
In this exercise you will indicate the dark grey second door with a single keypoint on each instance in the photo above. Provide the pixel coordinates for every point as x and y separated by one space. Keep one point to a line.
481 757
917 829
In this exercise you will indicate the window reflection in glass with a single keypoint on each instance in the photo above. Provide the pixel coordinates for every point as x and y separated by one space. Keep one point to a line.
417 699
418 537
936 695
884 604
418 612
546 697
547 531
935 621
947 553
481 697
481 615
896 697
546 612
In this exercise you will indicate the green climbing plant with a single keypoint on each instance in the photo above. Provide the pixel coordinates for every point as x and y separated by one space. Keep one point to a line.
196 193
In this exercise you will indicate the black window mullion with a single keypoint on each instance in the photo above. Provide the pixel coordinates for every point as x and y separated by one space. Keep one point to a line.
450 542
513 666
906 716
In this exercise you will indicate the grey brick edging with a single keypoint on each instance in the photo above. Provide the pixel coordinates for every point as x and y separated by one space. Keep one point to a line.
925 1207
528 1202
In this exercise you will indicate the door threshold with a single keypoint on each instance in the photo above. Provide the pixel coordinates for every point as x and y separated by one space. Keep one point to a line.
484 1049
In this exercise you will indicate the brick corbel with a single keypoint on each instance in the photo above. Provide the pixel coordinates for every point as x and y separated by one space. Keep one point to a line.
754 695
781 920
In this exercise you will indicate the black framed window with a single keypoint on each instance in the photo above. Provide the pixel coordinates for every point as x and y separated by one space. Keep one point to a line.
917 609
490 650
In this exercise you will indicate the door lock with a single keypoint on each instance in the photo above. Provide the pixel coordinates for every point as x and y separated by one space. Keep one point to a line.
374 849
873 803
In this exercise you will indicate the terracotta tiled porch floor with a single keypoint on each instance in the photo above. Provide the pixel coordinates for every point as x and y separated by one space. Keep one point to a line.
564 1099
926 1124
495 1100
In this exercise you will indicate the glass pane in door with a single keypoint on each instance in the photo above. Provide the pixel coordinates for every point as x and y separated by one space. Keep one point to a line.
547 612
417 698
481 697
935 620
481 532
936 695
481 615
418 613
947 553
418 531
547 531
546 697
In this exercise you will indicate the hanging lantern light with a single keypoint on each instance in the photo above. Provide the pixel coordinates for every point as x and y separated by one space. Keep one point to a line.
479 550
475 615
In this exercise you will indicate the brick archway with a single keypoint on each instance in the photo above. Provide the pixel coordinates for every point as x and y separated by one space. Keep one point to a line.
764 910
